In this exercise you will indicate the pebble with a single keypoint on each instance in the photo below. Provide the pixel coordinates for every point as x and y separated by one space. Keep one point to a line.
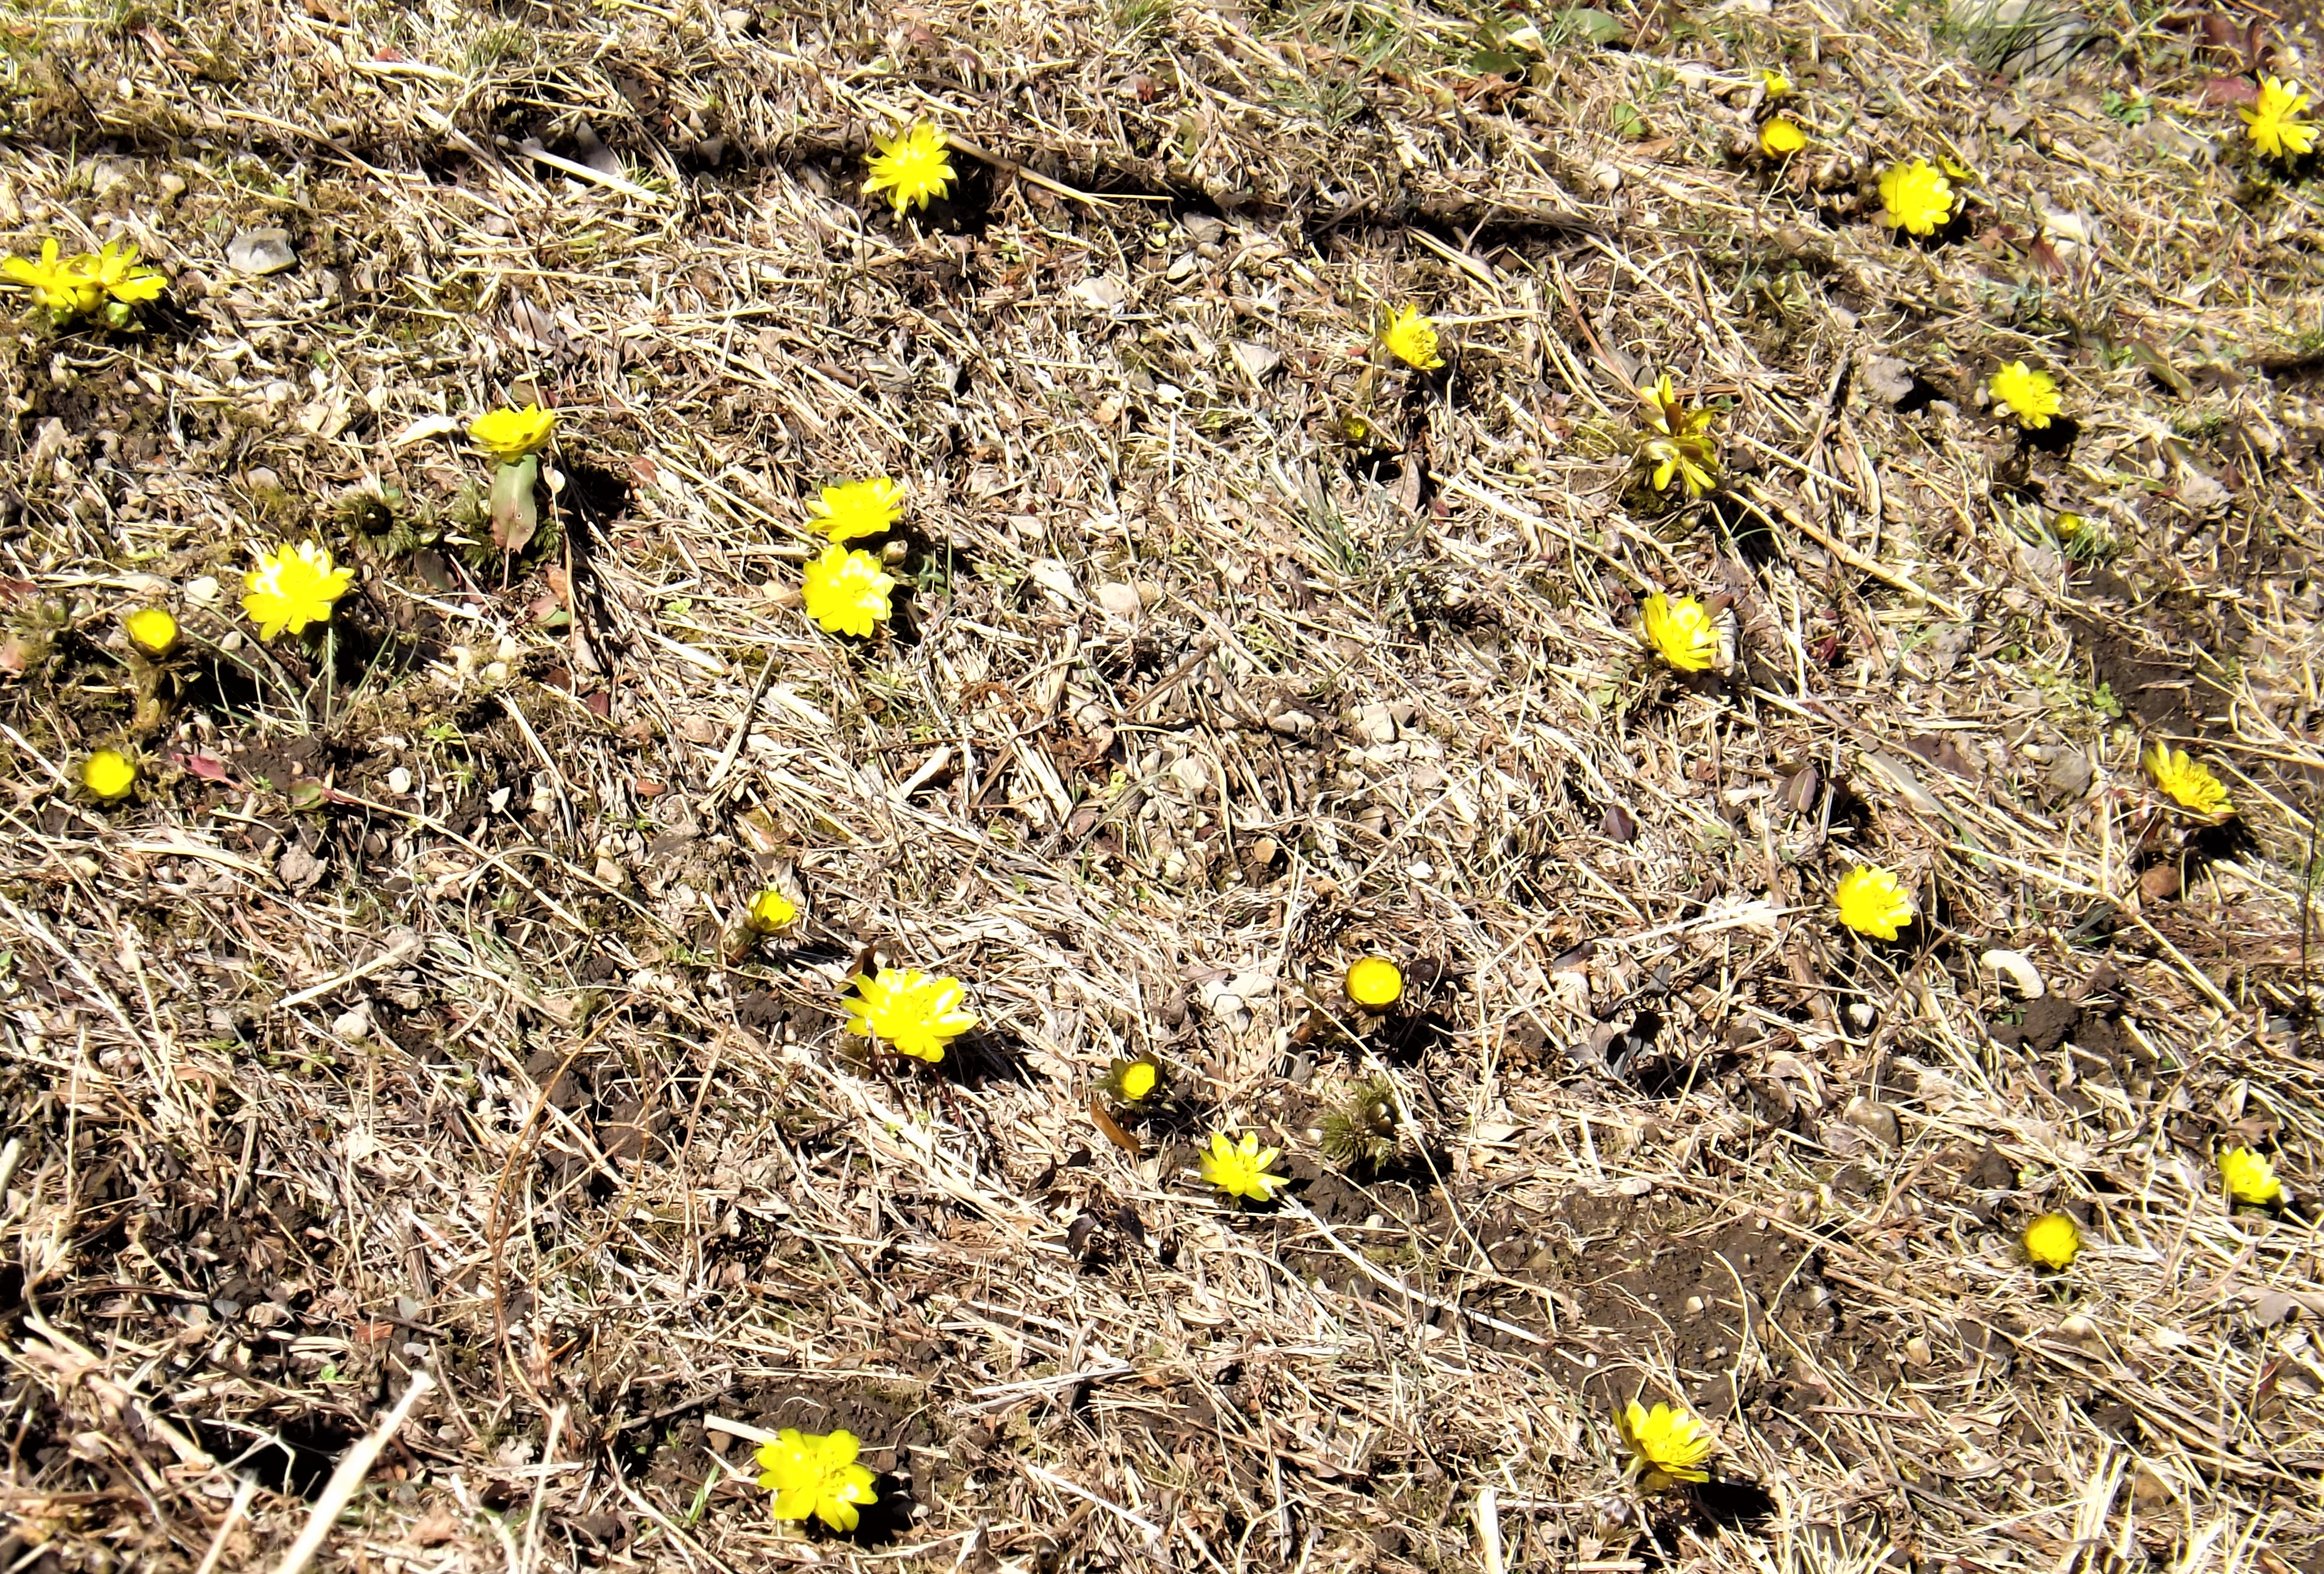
1873 1119
1256 359
202 591
398 781
1375 724
1121 600
2019 968
261 251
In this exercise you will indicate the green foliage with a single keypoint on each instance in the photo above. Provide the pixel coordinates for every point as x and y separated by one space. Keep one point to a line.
1360 1131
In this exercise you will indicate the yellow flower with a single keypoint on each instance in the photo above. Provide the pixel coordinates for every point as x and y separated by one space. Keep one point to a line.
912 168
1678 442
2052 1240
2274 124
1667 1443
1776 85
846 590
1873 901
1781 137
509 435
815 1474
109 775
293 586
772 912
1680 631
1375 984
2029 396
912 1012
1917 197
62 286
2250 1178
1134 1080
1240 1169
152 630
2188 784
1411 338
114 271
860 507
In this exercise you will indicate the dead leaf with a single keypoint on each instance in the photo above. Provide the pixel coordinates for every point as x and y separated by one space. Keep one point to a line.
1942 752
1121 1138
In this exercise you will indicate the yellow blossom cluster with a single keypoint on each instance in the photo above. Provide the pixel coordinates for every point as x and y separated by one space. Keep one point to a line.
106 283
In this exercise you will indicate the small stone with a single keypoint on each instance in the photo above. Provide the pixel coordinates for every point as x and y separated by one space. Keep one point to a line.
354 1026
2161 883
202 591
1873 1119
1888 379
2072 773
1052 576
260 251
299 868
171 187
2019 968
1121 600
1181 269
398 781
1101 291
1374 724
1608 178
1256 359
1252 986
1203 229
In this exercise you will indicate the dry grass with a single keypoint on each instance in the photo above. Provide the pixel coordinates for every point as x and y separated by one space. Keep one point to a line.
393 1028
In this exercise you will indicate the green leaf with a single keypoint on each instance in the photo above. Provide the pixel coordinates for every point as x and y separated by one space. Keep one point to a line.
515 514
1599 27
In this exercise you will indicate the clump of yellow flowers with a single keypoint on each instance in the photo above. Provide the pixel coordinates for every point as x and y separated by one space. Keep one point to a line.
814 1475
1676 444
2187 783
1873 901
1679 631
1667 1444
1411 337
858 507
846 590
912 168
2250 1178
107 283
515 437
1917 197
911 1012
2052 1241
292 587
1242 1169
2276 121
109 775
2026 396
